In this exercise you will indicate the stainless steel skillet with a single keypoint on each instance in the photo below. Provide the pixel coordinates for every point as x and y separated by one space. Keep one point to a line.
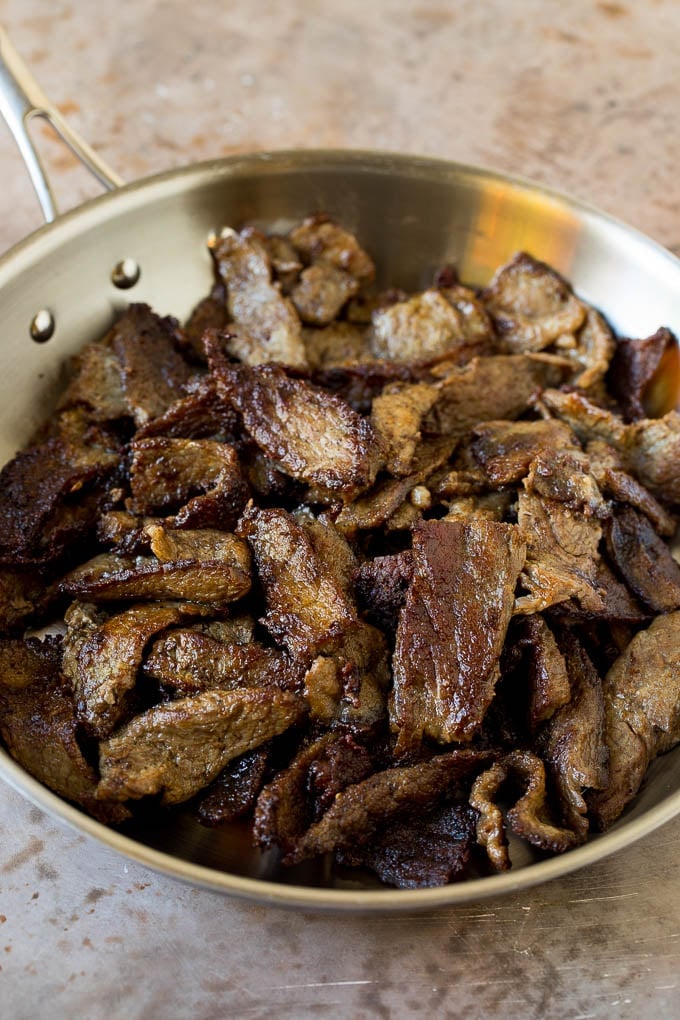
57 291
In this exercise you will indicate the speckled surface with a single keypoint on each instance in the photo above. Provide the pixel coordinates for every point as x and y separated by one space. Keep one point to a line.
584 97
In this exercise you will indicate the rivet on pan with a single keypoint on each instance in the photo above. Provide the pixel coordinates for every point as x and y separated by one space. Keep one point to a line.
125 274
42 326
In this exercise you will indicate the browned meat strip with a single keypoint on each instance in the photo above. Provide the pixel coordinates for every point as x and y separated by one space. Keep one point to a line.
564 477
97 384
539 660
201 414
490 388
320 239
432 325
25 597
505 449
397 415
199 566
642 706
178 748
644 560
591 352
452 628
234 793
633 368
529 818
125 533
350 685
154 373
286 264
531 305
298 796
314 436
267 326
200 480
381 586
210 313
332 548
321 292
573 743
102 658
307 608
37 723
361 810
624 488
420 853
336 344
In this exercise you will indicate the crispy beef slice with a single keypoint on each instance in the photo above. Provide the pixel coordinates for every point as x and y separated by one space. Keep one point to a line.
358 383
25 597
397 415
562 556
234 793
487 389
506 449
300 794
266 324
419 853
201 414
200 481
209 567
314 436
573 744
154 373
187 660
590 350
564 476
452 628
178 748
330 545
541 663
210 313
634 366
644 560
529 817
285 262
38 725
350 685
649 449
531 305
622 487
335 345
642 711
362 809
432 325
321 292
381 585
97 384
319 240
103 656
307 608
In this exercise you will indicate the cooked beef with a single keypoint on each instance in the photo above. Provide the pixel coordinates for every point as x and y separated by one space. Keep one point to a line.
199 480
210 313
349 685
490 388
381 586
452 628
397 415
97 384
644 560
633 367
201 414
562 555
266 325
362 809
573 743
179 748
432 325
299 795
321 292
319 240
25 597
154 373
591 352
38 725
505 449
125 533
531 305
419 853
540 668
529 817
314 436
642 707
209 567
335 345
102 657
331 547
624 488
564 477
494 506
186 661
307 608
234 793
285 262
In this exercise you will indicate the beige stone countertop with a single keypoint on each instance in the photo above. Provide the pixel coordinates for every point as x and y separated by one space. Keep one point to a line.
582 96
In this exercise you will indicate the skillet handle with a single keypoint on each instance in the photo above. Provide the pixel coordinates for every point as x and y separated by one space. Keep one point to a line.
21 100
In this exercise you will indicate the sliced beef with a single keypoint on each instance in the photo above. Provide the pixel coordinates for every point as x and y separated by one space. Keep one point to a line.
201 414
319 240
642 708
307 608
234 793
285 261
539 667
208 567
381 586
563 476
506 449
337 344
622 487
421 853
644 560
210 313
25 598
154 373
349 685
432 325
97 384
177 749
591 352
314 436
321 292
199 480
397 415
531 305
358 383
452 628
102 657
38 724
331 547
266 325
634 367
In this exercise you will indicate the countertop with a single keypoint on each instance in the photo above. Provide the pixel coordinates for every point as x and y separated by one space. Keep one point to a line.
584 97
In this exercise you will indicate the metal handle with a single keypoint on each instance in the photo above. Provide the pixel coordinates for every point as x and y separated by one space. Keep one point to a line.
21 100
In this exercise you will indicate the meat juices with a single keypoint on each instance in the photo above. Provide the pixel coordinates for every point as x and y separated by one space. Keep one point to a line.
384 576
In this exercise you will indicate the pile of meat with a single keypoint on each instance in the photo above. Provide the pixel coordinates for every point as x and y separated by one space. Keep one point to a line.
388 574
